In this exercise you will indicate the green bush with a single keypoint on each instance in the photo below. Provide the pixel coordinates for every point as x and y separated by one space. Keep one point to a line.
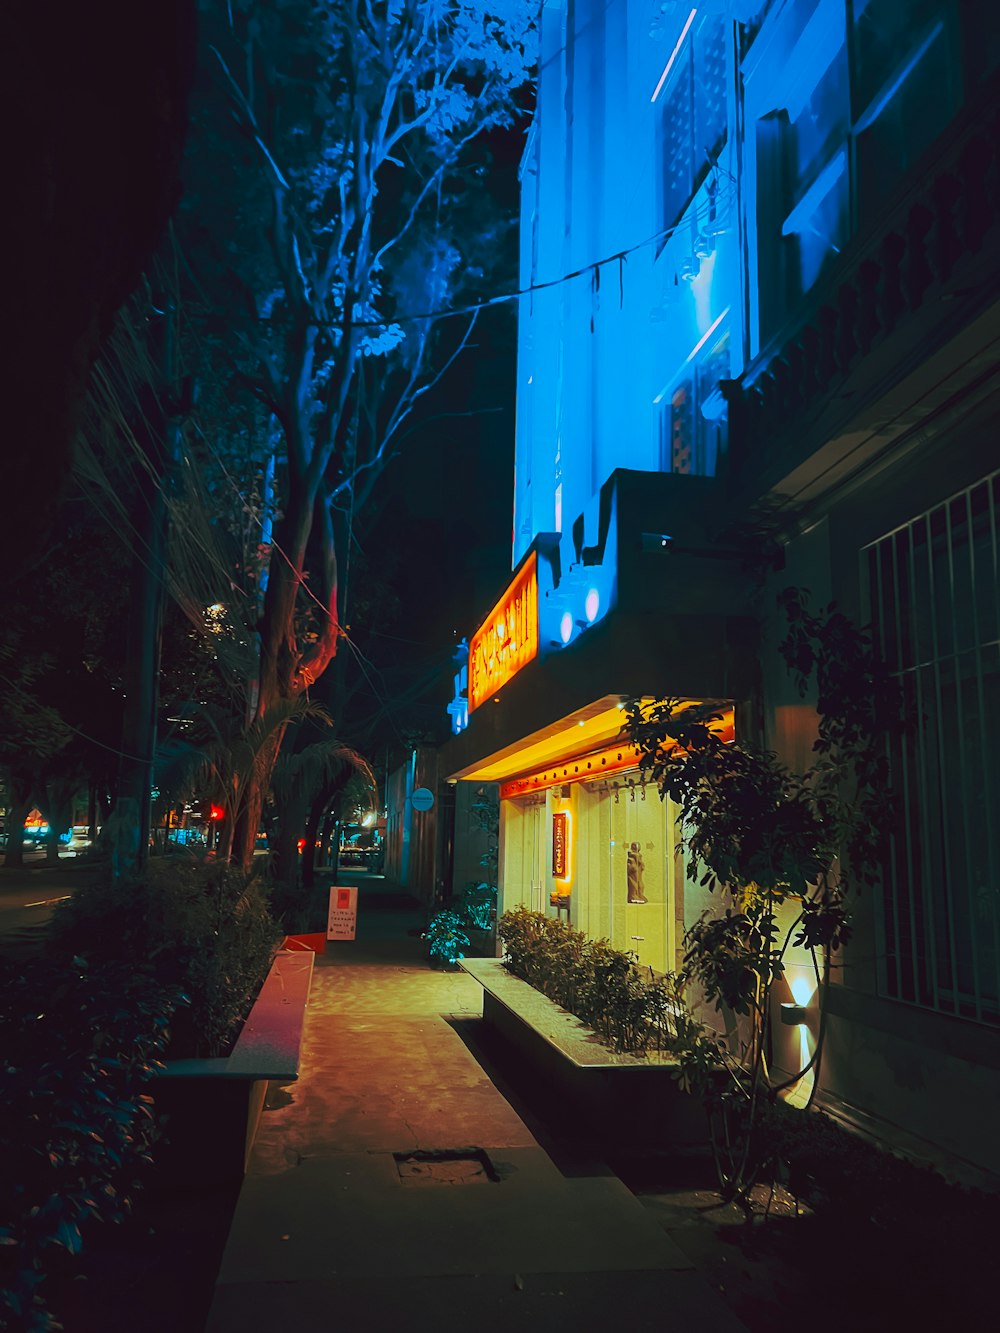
446 939
76 1128
200 927
630 1010
477 905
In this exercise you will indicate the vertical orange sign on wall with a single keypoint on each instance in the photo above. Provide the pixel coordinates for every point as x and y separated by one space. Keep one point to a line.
507 639
560 844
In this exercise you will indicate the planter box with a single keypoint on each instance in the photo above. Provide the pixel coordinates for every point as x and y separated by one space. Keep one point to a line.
316 942
212 1107
627 1101
482 943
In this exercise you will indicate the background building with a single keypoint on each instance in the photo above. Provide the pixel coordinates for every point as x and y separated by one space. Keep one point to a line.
760 349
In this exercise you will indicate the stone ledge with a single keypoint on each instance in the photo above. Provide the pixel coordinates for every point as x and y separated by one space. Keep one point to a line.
563 1031
211 1108
268 1047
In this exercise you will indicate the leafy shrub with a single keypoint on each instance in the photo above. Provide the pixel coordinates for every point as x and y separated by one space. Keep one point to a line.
446 939
201 927
630 1011
477 905
80 1044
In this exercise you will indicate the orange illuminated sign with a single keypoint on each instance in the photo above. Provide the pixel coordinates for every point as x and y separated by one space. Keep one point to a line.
507 639
560 844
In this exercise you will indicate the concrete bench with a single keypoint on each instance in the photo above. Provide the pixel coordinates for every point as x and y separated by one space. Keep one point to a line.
213 1106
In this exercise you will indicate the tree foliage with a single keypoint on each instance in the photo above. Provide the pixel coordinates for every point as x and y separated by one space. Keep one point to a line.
328 213
761 836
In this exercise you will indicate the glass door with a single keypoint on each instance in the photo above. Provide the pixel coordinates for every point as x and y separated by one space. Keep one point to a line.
523 879
640 870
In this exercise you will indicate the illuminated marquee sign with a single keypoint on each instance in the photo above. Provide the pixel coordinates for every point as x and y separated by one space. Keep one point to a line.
507 640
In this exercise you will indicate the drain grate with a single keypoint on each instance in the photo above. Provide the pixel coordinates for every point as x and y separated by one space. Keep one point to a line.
446 1166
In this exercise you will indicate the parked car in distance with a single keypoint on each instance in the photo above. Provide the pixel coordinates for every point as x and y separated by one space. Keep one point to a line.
78 841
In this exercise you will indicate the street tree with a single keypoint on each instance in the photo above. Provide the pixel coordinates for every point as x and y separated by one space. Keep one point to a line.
328 222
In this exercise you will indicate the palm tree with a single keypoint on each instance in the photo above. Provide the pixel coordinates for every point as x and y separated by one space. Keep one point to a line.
222 760
303 785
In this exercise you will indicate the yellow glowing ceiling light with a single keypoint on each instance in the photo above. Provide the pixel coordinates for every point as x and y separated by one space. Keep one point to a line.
569 752
602 722
616 758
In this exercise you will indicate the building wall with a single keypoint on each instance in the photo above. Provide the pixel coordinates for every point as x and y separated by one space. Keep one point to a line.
471 841
609 821
412 853
762 240
900 1044
616 362
854 117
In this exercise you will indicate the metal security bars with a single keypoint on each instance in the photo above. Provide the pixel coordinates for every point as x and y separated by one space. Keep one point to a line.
935 608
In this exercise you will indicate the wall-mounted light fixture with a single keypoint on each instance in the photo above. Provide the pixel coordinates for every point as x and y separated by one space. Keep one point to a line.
792 1015
655 541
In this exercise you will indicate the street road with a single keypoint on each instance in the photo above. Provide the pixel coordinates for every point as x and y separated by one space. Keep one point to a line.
28 897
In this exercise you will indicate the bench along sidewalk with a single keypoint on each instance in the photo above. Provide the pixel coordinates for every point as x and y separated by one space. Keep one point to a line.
627 1101
213 1106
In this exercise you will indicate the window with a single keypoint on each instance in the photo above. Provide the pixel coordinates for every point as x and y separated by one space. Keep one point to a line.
692 129
693 420
934 591
904 88
863 94
681 420
803 183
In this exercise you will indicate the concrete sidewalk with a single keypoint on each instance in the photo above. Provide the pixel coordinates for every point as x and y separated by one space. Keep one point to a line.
335 1229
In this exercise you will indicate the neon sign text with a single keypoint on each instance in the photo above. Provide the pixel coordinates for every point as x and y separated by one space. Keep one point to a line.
507 639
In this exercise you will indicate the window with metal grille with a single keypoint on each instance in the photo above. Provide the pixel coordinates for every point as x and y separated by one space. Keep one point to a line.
693 118
935 607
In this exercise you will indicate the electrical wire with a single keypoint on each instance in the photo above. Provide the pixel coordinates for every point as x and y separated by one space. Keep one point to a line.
364 662
701 213
92 740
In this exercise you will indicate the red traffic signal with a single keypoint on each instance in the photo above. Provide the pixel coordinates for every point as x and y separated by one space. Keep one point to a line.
215 812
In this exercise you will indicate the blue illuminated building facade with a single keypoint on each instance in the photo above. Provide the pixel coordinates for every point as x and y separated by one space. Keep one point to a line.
759 348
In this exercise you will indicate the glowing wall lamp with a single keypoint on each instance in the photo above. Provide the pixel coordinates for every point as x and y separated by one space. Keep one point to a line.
792 1014
796 1011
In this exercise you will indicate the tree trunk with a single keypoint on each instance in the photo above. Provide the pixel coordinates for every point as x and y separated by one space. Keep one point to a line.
52 844
242 841
239 842
92 813
285 867
17 813
312 837
59 812
285 671
329 823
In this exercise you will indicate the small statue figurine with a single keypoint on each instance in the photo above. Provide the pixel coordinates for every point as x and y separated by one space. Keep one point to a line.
634 868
